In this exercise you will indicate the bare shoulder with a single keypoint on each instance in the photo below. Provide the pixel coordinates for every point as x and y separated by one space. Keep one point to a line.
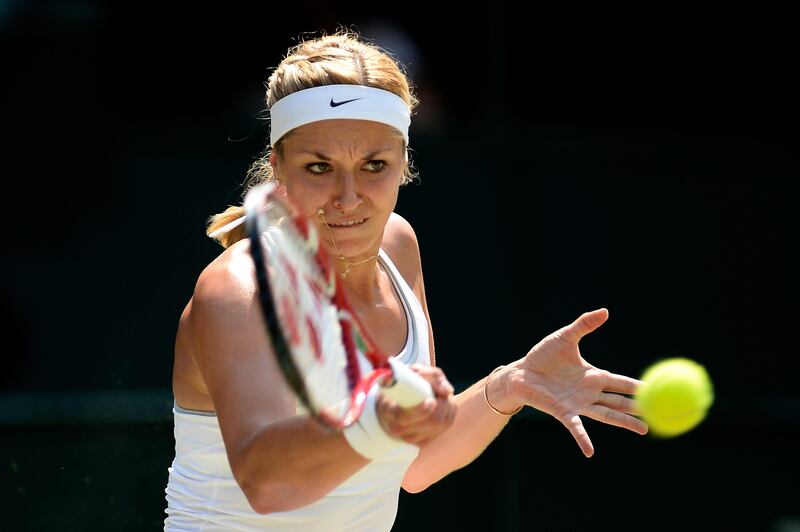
401 244
220 306
228 278
222 300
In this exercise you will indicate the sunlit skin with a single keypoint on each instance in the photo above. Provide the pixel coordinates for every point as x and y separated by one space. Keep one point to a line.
352 170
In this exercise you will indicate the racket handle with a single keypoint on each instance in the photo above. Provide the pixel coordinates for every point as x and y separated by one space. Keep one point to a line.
409 388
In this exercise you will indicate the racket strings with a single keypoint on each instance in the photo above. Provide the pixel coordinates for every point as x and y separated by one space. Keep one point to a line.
342 258
311 323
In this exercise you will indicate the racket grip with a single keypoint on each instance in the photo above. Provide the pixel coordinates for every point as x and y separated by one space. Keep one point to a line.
409 388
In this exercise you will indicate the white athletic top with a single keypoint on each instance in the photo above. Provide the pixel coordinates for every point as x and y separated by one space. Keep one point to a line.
202 493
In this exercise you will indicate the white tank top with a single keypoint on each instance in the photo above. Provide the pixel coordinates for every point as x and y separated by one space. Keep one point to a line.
202 494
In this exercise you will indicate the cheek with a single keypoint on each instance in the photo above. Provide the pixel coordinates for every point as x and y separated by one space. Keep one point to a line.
306 198
388 202
395 188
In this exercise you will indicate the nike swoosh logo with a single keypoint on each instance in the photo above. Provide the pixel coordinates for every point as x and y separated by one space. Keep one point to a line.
337 104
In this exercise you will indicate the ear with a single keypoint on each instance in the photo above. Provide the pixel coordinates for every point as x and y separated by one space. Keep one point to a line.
273 163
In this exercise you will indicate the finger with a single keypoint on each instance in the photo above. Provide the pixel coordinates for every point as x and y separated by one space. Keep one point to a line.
432 412
621 384
575 425
442 387
442 413
418 432
415 414
606 415
618 402
398 416
437 379
586 323
439 420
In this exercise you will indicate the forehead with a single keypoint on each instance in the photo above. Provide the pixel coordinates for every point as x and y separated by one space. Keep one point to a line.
333 136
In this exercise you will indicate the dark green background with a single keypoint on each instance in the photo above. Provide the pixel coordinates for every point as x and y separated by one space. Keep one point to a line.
641 162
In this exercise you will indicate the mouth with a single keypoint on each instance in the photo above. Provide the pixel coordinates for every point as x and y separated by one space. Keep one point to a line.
349 223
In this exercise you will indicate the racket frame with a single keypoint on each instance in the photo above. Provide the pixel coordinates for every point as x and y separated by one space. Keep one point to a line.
354 336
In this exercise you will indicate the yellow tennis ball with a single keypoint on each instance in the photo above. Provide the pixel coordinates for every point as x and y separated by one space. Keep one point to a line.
675 396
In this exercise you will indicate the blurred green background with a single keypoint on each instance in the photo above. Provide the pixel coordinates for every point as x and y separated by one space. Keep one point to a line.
641 162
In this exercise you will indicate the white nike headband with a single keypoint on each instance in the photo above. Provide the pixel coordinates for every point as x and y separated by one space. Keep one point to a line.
330 102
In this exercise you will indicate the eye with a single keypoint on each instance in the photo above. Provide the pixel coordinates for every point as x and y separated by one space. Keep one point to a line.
317 168
376 166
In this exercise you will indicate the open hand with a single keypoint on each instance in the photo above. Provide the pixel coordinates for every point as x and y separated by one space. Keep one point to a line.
554 378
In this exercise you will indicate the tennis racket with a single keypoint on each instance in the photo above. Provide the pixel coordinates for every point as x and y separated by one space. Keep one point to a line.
315 334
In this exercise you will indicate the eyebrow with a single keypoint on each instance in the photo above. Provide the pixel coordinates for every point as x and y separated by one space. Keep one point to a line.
324 157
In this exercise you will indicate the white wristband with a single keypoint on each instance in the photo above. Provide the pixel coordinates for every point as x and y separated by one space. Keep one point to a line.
366 435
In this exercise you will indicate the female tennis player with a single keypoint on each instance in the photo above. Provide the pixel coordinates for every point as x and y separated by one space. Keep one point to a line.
246 456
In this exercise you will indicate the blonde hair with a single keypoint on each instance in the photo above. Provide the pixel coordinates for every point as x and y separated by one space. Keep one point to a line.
341 58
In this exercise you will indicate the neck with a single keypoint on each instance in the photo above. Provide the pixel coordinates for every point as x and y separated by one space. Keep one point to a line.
347 265
358 276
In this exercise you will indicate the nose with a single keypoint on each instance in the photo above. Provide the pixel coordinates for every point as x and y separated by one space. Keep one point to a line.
347 198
